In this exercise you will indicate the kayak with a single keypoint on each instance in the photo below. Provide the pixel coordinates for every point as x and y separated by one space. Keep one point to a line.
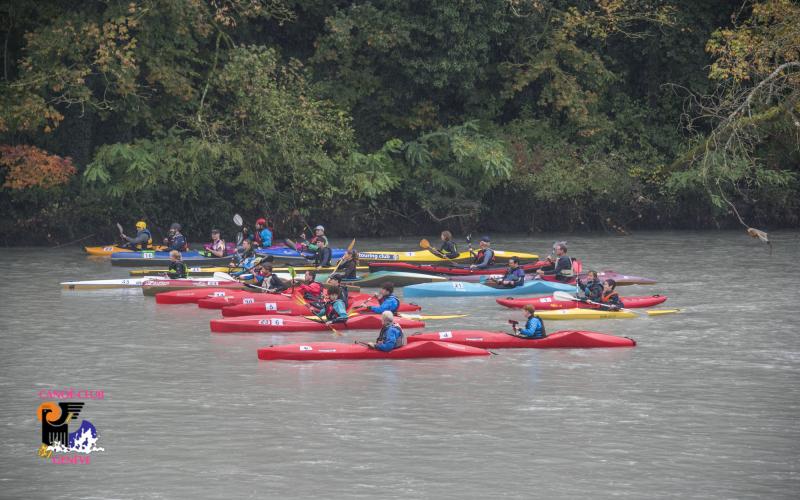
282 323
584 314
131 283
426 257
107 250
150 288
246 298
287 307
195 295
450 272
564 339
398 279
317 351
139 259
282 253
550 303
209 271
461 289
622 279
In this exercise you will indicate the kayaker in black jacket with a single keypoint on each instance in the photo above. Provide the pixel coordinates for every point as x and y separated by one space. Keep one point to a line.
592 288
448 249
175 240
561 266
347 266
513 277
177 269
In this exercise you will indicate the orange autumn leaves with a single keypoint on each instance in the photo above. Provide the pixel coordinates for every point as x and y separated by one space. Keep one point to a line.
28 167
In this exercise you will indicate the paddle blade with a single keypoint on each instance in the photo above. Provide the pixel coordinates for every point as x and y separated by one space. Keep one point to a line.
237 219
292 272
425 244
224 276
351 245
119 226
564 296
660 312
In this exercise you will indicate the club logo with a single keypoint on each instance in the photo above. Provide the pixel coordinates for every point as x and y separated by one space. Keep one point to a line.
62 441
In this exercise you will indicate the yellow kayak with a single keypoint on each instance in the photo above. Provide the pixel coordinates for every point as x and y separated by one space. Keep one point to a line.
107 250
584 314
426 257
209 271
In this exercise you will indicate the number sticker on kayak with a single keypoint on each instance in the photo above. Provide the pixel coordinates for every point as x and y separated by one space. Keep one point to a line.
445 335
458 285
218 294
195 269
248 300
545 300
147 255
271 322
306 348
209 283
271 306
108 249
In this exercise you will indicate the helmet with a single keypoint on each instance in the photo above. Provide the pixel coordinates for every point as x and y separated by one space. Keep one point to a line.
320 228
175 226
141 225
486 239
262 221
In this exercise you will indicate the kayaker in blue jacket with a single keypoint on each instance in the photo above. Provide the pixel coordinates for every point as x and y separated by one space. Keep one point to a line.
334 309
534 327
177 269
561 265
245 258
142 240
514 276
592 288
391 336
263 235
387 301
484 257
175 240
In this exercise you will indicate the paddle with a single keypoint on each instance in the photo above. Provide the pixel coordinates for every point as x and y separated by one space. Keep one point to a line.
237 219
302 301
349 248
566 297
426 245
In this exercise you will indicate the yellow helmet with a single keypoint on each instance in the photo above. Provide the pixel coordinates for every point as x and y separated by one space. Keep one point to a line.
141 225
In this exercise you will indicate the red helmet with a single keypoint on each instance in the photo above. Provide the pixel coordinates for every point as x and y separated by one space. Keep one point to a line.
262 221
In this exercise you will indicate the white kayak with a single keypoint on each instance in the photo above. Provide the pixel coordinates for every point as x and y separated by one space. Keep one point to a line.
138 282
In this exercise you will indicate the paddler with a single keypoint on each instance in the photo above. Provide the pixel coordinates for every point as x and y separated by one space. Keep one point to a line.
592 288
387 301
310 289
391 335
323 256
263 277
176 240
177 269
484 257
347 266
263 234
560 266
610 296
448 249
336 281
312 245
534 327
217 247
335 308
514 276
142 240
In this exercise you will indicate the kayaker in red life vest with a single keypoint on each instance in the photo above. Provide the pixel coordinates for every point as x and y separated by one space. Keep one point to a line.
310 290
217 244
334 309
484 257
177 269
391 335
610 295
560 266
387 301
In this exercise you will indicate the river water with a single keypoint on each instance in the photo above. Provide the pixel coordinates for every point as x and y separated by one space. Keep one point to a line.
706 406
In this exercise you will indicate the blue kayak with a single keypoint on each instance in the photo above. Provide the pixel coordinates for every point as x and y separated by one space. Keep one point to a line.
161 259
462 289
285 254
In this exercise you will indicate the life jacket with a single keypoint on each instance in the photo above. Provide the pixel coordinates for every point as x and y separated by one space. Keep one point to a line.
541 323
567 271
382 335
324 256
330 311
449 249
183 245
396 300
481 253
149 243
312 291
611 297
179 269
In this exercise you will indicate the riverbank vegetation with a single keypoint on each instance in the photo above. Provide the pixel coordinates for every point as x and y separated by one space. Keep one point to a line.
387 116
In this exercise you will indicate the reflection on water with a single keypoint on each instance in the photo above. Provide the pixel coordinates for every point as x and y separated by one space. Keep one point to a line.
704 407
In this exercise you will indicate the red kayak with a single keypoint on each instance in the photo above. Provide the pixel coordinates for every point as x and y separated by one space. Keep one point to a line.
264 298
315 351
193 295
287 307
282 323
565 339
550 303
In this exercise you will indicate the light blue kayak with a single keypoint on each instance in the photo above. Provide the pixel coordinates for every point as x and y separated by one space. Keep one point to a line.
284 254
462 289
